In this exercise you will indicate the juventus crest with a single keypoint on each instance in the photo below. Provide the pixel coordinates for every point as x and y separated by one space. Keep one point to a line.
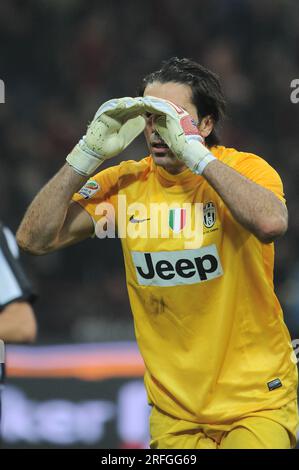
209 214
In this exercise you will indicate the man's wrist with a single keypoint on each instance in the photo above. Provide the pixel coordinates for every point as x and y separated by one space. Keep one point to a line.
207 170
83 160
203 163
197 156
75 179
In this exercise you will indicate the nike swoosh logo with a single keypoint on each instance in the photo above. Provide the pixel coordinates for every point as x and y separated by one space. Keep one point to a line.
137 221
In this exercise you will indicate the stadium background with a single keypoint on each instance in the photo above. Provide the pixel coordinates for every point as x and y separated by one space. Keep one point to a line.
60 60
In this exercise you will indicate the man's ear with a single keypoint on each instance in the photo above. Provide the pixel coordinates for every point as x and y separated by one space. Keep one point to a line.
206 126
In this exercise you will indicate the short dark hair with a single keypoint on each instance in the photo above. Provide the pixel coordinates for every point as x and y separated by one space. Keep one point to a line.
207 94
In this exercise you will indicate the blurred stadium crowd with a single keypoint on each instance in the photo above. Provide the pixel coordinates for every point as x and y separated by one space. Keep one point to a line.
61 59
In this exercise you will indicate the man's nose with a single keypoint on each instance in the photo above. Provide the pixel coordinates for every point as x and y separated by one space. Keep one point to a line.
151 121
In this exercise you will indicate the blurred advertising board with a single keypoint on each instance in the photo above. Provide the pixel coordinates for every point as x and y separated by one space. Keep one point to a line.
75 396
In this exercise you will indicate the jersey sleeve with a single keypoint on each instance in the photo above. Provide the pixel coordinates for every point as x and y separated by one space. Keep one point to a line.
99 193
14 285
258 170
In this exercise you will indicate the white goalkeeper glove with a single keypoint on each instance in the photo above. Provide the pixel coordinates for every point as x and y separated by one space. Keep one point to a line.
179 131
114 126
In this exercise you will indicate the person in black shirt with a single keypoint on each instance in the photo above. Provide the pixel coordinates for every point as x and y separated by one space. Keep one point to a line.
17 320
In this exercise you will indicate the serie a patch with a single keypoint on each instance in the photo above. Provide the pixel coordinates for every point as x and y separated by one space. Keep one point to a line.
276 383
89 189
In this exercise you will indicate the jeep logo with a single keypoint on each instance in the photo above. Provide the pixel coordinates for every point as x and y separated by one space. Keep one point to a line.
172 268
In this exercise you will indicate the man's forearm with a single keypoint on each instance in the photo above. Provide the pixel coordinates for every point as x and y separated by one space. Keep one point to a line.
46 214
255 207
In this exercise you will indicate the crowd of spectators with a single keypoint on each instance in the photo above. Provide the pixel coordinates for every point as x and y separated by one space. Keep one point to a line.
61 59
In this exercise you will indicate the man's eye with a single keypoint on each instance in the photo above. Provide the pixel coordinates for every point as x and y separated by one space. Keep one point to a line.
148 115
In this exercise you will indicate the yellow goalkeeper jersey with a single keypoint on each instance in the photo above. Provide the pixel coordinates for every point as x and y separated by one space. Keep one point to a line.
208 323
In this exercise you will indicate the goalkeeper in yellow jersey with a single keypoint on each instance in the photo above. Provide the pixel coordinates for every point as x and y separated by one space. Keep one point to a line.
219 367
